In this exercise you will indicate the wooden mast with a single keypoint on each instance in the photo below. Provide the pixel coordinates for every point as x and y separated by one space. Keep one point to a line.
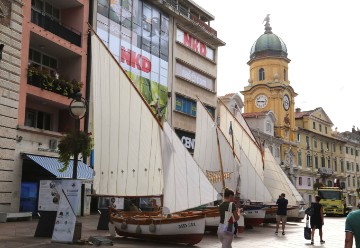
220 159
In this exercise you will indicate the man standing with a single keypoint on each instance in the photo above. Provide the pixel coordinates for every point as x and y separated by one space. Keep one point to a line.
281 214
352 229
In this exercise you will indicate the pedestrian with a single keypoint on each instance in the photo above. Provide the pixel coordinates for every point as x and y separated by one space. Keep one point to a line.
224 236
281 214
317 219
358 204
352 229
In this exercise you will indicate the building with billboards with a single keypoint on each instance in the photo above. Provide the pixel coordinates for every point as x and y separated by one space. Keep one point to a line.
169 50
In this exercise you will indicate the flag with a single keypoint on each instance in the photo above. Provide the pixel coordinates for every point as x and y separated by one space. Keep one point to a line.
230 129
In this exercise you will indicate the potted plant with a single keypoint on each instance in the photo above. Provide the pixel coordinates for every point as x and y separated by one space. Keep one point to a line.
74 142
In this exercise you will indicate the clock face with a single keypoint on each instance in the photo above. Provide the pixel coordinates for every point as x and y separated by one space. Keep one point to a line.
286 102
261 101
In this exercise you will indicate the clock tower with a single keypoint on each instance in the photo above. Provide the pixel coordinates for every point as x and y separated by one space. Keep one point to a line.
269 86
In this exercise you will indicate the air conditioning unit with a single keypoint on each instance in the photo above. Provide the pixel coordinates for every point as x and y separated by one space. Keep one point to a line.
53 144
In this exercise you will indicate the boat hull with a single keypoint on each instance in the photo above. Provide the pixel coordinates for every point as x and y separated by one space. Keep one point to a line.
293 215
185 230
254 217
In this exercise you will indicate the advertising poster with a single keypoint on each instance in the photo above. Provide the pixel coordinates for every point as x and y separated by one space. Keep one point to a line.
137 34
66 218
49 195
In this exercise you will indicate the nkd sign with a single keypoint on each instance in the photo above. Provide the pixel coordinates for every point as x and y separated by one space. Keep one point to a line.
188 139
194 44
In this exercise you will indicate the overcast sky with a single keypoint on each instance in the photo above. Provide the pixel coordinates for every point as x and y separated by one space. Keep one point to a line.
323 43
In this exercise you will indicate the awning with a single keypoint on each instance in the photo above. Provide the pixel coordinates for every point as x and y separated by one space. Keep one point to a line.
53 165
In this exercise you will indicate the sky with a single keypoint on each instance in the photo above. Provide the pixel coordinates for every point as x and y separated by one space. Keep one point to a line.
323 43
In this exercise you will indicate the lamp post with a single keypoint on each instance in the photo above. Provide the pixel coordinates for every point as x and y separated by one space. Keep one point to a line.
77 109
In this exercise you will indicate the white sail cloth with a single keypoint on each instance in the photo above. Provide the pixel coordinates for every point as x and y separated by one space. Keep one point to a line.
186 186
276 180
206 152
251 186
134 156
244 145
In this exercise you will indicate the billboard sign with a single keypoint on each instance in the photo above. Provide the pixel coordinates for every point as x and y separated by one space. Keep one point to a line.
137 34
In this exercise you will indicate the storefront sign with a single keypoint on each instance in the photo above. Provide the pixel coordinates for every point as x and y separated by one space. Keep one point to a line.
188 139
194 44
194 77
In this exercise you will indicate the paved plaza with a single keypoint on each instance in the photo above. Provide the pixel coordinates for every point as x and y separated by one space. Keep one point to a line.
21 234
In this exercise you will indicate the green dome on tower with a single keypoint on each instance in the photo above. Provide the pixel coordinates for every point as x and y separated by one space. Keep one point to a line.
268 44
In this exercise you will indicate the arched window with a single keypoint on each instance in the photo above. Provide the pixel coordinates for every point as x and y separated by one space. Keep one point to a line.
284 74
261 74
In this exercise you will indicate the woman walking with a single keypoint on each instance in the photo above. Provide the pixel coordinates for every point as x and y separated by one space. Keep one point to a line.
226 236
317 219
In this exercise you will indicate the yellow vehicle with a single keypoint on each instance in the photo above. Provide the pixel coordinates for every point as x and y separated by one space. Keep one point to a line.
333 201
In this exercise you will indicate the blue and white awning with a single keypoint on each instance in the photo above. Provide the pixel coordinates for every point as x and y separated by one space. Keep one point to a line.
53 165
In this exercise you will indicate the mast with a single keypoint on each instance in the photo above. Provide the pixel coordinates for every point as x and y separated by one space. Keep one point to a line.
220 160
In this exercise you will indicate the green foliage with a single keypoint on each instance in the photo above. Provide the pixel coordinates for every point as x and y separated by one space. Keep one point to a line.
74 142
45 80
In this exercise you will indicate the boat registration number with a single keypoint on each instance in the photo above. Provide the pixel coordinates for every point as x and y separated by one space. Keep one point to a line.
191 224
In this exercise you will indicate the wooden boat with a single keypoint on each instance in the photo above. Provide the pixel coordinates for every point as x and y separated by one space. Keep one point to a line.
145 158
177 228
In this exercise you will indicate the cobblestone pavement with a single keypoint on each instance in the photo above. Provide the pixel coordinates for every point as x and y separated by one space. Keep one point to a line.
21 234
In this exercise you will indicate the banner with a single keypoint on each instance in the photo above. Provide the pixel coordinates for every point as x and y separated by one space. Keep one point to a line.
137 34
66 217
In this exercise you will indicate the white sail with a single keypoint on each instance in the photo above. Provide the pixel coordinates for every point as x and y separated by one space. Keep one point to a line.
276 180
127 137
295 192
206 152
186 186
252 186
243 143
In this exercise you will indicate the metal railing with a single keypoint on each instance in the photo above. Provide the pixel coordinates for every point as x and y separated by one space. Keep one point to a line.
186 13
56 27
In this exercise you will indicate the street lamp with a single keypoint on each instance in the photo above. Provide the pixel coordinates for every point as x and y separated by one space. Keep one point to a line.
77 109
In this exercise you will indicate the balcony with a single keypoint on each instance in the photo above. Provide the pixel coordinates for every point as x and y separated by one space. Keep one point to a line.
55 27
325 171
45 80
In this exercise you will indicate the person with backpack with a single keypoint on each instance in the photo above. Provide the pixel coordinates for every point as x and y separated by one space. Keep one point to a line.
317 219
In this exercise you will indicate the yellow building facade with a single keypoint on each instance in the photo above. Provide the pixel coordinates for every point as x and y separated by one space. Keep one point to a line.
269 89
